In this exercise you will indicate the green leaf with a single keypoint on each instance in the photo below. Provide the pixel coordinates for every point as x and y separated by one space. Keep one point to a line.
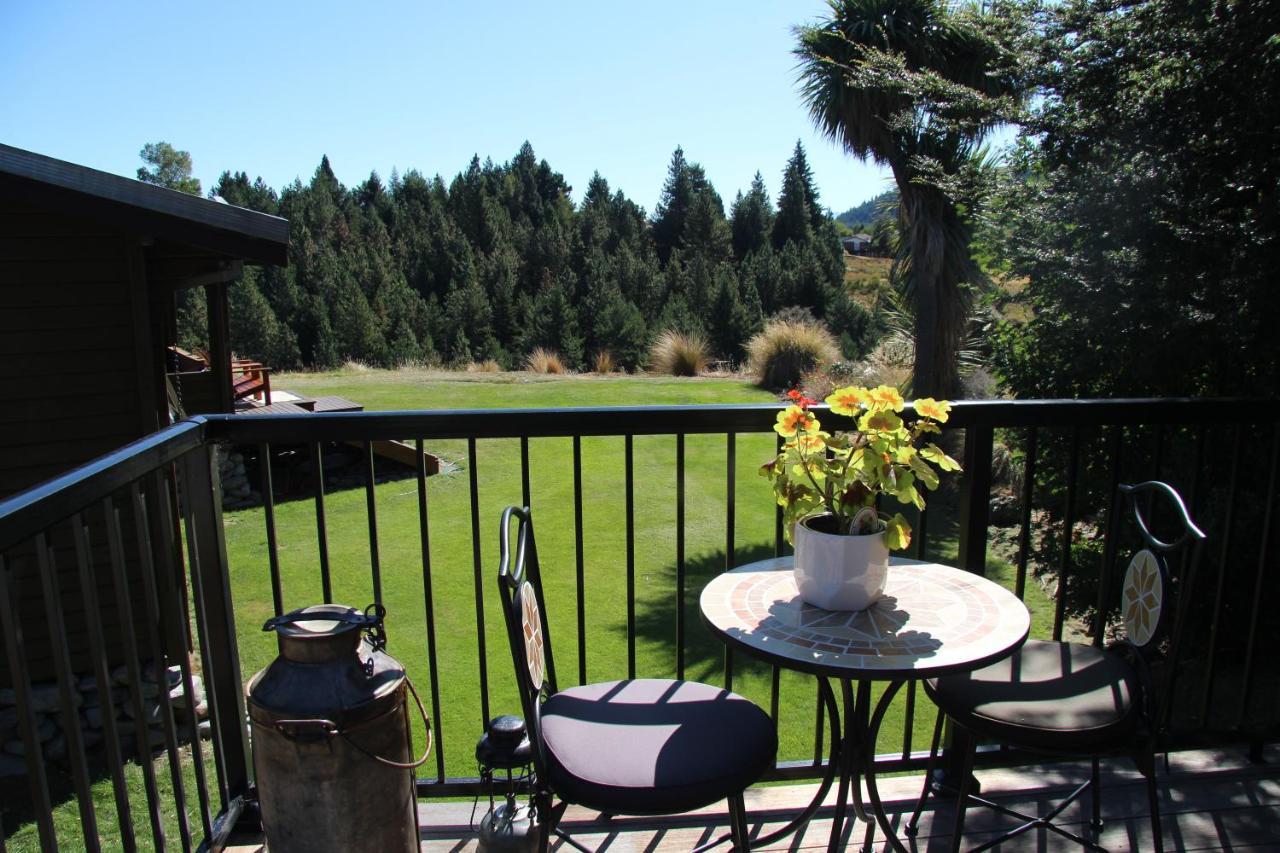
897 533
926 474
935 455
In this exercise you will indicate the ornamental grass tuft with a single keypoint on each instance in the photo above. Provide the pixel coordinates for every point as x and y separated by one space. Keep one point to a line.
545 361
486 366
677 354
604 362
785 350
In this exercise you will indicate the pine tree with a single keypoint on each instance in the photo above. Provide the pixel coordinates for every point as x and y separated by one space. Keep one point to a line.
798 211
685 182
553 324
751 219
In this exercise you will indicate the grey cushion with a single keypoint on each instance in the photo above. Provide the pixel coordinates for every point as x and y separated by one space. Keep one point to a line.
1064 697
653 746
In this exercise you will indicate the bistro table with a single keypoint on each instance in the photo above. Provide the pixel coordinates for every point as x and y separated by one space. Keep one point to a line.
932 620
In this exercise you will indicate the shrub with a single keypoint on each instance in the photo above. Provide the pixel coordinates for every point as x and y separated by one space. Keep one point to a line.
781 354
679 354
604 362
486 366
544 361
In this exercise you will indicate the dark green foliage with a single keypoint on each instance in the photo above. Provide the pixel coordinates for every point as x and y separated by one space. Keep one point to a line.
498 262
751 220
167 167
734 318
798 212
553 325
1143 204
865 216
855 327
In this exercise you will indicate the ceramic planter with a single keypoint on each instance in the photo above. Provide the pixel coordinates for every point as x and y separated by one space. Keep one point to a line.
839 572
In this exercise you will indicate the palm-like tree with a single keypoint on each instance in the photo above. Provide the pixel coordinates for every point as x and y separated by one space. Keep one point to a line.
916 86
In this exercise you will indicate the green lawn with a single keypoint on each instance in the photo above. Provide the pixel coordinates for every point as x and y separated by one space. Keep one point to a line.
604 533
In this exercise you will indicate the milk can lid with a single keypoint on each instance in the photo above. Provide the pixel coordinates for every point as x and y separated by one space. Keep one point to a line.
320 621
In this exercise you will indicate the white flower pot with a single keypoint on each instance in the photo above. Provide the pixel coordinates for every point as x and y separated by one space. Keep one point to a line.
837 572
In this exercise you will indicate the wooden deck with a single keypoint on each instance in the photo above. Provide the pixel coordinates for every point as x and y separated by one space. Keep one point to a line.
1211 800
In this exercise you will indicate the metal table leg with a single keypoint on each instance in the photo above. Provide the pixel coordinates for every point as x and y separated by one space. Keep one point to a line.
835 762
873 792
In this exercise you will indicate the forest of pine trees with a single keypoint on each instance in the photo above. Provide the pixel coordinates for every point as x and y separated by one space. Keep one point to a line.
500 261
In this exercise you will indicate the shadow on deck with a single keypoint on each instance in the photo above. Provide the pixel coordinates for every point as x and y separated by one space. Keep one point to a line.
1210 800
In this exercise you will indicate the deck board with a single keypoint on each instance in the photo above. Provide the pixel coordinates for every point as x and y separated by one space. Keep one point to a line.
1210 800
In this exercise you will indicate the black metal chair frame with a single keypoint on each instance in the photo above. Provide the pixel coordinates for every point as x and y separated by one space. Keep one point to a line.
1153 701
512 575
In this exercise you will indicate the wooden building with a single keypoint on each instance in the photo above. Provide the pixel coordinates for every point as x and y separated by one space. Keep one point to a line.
89 266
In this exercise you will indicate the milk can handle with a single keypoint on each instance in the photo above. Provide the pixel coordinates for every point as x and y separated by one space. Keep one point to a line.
370 622
308 730
399 765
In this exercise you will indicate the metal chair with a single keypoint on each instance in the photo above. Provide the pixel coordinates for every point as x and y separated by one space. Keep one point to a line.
639 746
1074 699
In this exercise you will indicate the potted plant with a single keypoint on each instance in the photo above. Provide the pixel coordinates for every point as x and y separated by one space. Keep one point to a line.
828 485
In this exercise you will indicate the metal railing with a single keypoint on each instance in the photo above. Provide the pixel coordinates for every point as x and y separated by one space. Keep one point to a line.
1071 455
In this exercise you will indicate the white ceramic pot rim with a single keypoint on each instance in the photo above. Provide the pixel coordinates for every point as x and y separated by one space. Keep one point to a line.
881 526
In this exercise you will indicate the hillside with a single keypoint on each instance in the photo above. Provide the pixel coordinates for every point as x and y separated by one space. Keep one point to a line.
869 210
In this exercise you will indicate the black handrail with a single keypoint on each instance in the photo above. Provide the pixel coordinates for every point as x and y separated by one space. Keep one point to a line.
700 419
27 513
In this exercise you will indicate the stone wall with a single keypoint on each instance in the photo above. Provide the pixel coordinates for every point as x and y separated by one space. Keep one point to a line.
46 703
237 492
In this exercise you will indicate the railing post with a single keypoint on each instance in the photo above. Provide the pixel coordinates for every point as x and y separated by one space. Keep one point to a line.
211 583
975 497
975 508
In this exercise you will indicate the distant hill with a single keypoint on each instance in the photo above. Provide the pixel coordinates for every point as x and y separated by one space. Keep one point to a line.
869 210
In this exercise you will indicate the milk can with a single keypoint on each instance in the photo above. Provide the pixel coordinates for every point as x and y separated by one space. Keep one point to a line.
331 743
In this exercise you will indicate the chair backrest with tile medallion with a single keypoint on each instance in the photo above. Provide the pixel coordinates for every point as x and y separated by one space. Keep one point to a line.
523 608
1153 601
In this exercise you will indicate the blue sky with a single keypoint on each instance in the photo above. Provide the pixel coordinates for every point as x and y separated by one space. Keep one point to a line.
268 87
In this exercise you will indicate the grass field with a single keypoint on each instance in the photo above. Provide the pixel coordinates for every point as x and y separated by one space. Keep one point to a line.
453 572
867 278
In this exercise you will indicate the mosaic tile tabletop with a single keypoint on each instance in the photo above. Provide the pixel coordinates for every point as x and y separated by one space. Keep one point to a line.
931 619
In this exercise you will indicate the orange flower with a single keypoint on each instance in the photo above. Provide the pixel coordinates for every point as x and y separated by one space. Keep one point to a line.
927 407
847 401
885 397
812 443
793 419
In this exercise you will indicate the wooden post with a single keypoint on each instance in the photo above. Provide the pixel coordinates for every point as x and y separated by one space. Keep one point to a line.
211 586
975 498
220 342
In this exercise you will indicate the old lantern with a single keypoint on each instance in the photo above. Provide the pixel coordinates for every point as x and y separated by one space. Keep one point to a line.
506 767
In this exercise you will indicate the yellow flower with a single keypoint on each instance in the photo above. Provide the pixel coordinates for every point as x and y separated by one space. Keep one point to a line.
847 401
927 407
792 419
883 398
880 421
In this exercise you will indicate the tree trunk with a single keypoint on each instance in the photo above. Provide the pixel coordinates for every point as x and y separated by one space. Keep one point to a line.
939 264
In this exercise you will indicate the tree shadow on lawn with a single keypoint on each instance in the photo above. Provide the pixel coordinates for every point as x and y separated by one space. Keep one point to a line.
656 617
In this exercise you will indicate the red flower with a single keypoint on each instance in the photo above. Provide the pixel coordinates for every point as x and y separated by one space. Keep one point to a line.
800 399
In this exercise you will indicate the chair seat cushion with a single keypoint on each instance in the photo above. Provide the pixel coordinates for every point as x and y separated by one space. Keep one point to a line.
1060 697
653 746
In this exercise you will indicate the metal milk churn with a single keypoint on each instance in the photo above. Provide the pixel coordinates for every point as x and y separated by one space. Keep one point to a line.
331 741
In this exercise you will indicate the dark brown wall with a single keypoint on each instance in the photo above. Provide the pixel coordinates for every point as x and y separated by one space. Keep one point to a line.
68 380
71 389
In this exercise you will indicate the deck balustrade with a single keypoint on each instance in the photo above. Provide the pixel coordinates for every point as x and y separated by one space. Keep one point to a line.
130 557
